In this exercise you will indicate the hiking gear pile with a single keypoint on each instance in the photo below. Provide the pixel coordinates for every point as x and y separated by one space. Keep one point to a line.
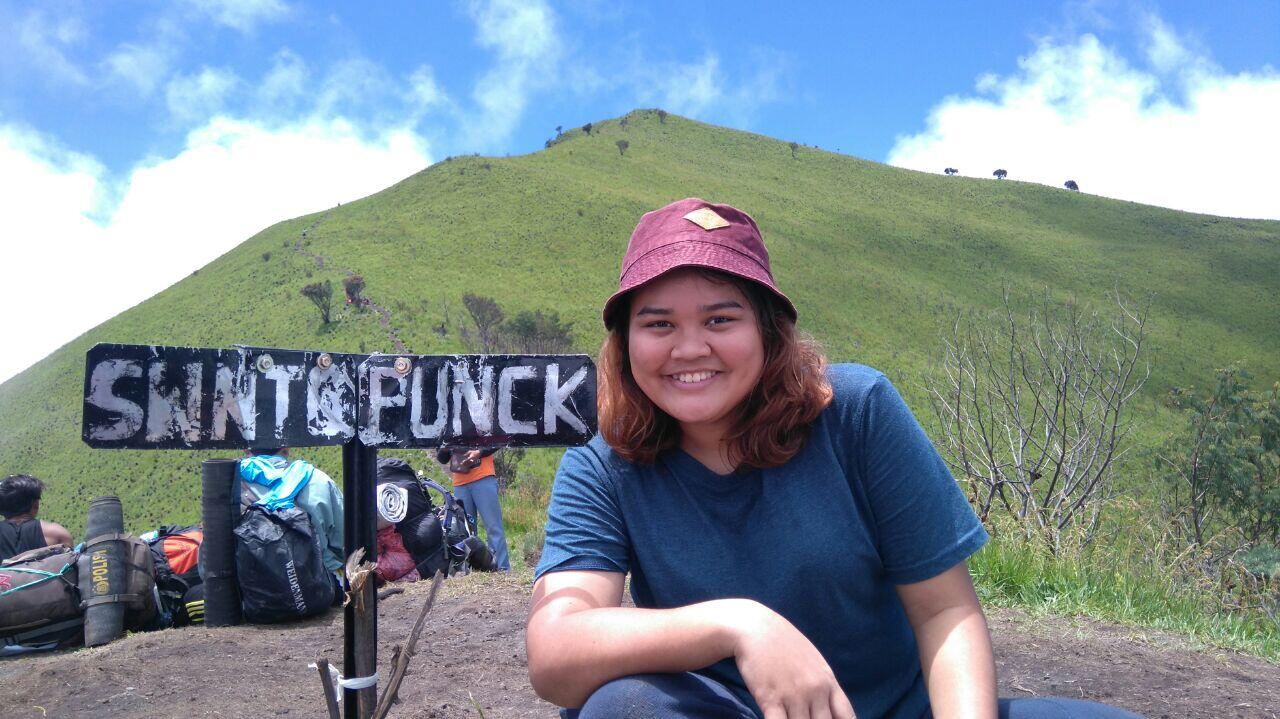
438 537
176 553
279 559
43 600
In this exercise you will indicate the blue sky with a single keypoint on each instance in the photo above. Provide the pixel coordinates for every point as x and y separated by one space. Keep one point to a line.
133 131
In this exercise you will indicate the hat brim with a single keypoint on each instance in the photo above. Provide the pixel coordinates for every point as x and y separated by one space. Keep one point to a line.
676 255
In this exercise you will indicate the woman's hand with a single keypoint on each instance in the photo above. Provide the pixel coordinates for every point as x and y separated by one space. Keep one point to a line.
784 671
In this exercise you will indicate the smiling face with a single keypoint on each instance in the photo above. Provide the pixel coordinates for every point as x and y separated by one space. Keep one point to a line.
695 350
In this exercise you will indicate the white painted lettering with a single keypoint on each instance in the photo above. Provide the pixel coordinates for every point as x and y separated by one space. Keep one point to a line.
506 422
329 391
554 399
372 432
166 418
234 393
283 375
416 426
101 384
478 397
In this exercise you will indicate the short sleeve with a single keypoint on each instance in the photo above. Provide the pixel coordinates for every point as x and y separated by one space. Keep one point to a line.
924 524
584 529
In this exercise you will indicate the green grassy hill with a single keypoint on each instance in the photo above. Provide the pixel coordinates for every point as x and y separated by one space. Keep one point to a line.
874 256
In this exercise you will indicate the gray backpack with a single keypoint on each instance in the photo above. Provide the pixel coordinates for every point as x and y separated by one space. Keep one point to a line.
39 599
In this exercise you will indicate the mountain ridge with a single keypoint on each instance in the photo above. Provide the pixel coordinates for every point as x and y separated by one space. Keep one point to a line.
876 257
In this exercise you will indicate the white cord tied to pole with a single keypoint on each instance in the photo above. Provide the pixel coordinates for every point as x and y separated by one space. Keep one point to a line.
353 682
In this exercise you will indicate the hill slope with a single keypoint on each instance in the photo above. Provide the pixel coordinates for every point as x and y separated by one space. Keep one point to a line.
874 256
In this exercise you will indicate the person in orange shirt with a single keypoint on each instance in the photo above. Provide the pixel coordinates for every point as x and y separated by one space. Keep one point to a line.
476 487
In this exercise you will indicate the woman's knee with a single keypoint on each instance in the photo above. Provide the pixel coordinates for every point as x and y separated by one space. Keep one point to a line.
1059 708
646 696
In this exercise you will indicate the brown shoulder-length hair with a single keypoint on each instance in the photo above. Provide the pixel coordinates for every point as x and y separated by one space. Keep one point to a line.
772 423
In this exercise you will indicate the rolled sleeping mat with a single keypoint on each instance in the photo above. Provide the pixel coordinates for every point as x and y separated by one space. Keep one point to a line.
219 509
102 572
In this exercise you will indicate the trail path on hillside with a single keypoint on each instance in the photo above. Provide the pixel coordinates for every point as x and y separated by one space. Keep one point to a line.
384 314
473 646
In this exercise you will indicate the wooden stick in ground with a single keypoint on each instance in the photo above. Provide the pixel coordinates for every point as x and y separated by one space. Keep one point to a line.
330 692
402 659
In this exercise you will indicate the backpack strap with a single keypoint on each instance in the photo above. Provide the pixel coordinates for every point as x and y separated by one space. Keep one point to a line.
49 629
131 599
47 576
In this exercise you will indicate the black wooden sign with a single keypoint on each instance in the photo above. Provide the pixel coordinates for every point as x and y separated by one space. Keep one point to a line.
156 397
477 400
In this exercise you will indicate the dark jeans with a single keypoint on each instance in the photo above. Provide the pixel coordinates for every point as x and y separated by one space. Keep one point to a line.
693 696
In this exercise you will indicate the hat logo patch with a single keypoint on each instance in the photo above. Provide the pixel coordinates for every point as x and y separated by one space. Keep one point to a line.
707 219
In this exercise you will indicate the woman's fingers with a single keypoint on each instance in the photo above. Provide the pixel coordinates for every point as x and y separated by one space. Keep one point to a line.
798 708
840 706
773 711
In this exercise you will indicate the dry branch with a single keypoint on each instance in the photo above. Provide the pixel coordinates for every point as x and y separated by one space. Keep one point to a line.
1032 408
330 691
400 663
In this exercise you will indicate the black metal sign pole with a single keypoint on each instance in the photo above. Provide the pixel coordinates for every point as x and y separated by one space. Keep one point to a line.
360 629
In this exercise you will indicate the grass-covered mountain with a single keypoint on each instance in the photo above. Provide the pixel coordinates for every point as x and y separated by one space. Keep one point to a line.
875 257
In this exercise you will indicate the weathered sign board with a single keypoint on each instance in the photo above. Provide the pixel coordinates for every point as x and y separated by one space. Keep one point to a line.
477 400
157 397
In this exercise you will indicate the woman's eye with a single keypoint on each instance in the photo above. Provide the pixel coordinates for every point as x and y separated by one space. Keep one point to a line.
720 320
658 324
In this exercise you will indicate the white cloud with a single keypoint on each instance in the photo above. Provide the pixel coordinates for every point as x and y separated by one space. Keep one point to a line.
242 15
141 67
691 89
528 47
285 82
702 89
35 42
233 178
1181 134
201 95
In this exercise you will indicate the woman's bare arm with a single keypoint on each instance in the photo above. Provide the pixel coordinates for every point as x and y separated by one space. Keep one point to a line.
579 638
954 644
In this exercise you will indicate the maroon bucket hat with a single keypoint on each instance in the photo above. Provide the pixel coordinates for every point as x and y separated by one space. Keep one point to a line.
697 233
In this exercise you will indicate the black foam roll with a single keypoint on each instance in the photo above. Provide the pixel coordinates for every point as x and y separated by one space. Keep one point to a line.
102 572
219 508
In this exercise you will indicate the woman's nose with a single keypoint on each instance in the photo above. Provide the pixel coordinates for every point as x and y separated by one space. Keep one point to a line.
690 345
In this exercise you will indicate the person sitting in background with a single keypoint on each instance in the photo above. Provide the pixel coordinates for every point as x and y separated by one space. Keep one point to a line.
320 499
475 484
21 531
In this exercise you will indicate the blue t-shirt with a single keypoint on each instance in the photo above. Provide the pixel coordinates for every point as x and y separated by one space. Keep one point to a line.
822 540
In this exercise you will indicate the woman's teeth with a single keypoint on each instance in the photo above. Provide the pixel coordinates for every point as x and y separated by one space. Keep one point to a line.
691 377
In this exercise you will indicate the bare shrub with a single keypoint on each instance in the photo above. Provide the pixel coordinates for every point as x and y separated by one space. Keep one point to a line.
1032 407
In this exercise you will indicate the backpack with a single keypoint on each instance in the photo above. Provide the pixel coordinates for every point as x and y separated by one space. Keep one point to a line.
279 560
464 548
176 552
420 530
39 598
137 583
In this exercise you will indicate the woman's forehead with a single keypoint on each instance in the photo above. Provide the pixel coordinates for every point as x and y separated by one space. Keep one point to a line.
686 289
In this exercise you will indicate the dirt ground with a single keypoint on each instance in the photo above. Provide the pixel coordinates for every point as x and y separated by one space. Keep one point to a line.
472 654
